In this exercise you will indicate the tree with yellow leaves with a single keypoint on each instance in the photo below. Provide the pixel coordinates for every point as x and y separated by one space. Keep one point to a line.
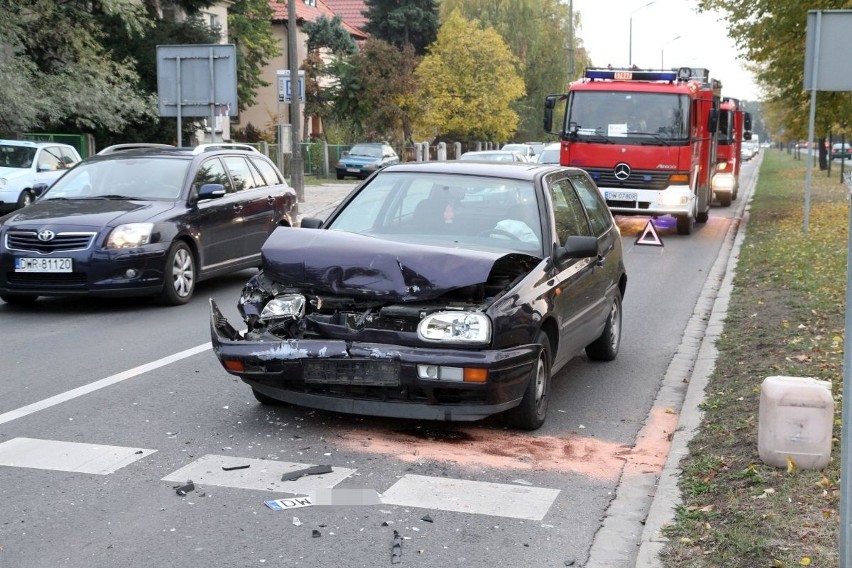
469 79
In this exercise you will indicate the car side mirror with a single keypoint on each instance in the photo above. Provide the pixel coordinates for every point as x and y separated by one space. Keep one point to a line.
211 191
311 223
577 247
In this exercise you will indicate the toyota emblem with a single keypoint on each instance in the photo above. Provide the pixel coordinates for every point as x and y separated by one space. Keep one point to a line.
622 171
46 235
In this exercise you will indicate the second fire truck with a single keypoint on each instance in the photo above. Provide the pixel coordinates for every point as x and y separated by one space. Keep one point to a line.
647 138
734 127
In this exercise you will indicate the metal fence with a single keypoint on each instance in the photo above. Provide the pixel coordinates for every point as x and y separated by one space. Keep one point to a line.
319 158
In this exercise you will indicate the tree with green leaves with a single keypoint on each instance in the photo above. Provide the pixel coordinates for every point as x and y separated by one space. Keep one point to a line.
250 30
403 22
469 80
538 32
771 36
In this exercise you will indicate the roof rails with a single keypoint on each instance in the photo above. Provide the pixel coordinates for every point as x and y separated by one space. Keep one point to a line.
132 146
223 146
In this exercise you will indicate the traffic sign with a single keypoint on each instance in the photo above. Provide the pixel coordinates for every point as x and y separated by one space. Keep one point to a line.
285 88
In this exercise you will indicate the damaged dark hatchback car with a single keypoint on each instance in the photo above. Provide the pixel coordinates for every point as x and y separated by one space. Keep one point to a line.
440 291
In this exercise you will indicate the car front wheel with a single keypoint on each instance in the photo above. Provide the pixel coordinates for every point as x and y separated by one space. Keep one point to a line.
26 198
530 414
178 276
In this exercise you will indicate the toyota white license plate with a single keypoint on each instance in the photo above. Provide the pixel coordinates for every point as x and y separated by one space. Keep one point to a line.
43 265
620 195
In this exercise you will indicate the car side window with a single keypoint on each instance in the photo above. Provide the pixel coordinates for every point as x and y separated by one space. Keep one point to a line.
568 211
49 159
68 158
241 173
269 173
212 171
596 207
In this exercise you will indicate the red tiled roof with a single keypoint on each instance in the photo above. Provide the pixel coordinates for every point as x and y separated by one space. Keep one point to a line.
307 13
350 11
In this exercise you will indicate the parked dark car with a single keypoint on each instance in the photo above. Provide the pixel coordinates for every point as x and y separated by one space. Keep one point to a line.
149 221
365 158
439 290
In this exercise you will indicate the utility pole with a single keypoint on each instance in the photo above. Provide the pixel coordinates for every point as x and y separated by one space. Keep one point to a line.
297 171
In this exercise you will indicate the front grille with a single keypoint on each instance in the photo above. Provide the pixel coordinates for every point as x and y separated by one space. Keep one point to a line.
638 179
46 278
356 372
28 241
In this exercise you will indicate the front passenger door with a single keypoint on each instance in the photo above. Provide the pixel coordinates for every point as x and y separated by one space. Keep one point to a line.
219 235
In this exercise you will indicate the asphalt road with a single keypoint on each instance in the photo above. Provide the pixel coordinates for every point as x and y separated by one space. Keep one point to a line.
107 406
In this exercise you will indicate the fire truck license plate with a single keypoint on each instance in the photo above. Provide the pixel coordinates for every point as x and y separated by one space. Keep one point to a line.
620 195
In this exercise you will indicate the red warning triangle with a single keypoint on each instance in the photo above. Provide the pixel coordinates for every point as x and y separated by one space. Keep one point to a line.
649 236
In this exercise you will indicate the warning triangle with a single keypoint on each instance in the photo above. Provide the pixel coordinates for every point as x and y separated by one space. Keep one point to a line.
649 236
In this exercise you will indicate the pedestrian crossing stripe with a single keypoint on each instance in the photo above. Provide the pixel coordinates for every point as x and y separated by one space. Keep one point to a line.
649 235
75 457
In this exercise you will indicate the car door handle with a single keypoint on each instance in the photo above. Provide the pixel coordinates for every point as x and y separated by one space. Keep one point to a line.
601 260
238 207
270 199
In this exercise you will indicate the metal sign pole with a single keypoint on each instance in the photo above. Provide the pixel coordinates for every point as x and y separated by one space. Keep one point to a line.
212 98
179 117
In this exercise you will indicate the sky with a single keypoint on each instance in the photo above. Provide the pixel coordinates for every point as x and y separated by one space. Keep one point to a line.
702 39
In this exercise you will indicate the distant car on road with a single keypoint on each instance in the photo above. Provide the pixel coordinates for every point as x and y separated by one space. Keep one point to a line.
436 291
841 152
23 164
137 222
494 156
365 158
527 150
550 154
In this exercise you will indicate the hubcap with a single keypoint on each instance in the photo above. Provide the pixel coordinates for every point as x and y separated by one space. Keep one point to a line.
539 380
615 319
182 273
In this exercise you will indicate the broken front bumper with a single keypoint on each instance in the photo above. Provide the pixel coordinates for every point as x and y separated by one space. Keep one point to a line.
377 379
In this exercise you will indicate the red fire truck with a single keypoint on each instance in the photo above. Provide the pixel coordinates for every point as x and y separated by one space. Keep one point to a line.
647 138
734 127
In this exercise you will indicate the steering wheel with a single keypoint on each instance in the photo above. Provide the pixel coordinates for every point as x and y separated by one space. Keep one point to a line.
499 232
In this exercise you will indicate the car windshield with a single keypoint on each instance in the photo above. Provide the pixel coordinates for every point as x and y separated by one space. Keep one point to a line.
650 117
365 150
446 210
12 156
131 178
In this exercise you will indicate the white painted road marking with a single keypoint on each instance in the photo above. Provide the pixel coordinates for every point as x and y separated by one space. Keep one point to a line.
68 456
262 475
97 385
476 497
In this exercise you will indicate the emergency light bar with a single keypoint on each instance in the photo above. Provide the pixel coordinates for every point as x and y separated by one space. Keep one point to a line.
631 75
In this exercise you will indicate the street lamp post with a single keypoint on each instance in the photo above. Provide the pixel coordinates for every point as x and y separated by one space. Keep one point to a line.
630 33
662 47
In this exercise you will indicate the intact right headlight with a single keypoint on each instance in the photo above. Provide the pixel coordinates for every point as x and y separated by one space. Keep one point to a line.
456 327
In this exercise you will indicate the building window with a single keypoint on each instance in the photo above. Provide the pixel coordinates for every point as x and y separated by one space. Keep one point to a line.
212 20
311 3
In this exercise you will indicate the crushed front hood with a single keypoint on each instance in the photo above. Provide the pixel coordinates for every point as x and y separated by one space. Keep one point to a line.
358 266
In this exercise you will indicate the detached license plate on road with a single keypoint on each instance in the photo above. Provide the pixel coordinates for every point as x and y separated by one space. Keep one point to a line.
43 265
620 195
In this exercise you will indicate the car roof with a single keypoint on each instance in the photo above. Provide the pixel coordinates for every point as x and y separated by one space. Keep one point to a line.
31 144
512 170
122 151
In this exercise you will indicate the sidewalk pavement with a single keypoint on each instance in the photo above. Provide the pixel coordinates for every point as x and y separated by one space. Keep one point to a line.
320 200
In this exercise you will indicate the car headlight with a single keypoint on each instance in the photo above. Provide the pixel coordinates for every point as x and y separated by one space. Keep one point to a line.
286 306
130 235
455 327
371 166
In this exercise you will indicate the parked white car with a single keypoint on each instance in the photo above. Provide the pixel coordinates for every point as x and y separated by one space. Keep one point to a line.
24 164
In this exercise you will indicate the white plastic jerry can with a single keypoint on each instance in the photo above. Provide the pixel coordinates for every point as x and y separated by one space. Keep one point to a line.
796 420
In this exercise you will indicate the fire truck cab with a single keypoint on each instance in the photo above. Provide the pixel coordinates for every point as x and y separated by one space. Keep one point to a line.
647 138
734 128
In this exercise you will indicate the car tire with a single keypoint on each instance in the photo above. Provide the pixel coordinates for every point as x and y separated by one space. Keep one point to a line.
685 223
26 198
339 176
605 347
725 199
266 400
15 300
179 275
530 414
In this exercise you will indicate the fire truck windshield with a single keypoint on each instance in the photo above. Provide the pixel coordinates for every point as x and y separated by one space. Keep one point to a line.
649 118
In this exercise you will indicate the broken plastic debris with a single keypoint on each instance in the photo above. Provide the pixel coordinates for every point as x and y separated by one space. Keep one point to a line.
316 534
297 522
315 470
521 482
184 489
396 548
427 518
233 467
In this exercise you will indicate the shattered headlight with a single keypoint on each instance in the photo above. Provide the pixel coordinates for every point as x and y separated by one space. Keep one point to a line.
455 327
284 306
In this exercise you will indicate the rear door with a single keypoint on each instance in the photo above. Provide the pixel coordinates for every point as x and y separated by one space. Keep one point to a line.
256 206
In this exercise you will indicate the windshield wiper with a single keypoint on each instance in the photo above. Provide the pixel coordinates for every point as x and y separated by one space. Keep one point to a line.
108 196
659 138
